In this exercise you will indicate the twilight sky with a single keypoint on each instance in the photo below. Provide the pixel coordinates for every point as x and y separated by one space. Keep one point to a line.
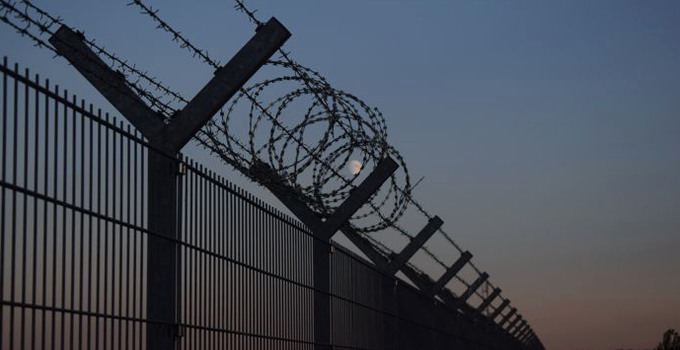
548 133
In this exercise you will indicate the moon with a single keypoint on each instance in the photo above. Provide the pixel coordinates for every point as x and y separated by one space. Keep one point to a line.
354 167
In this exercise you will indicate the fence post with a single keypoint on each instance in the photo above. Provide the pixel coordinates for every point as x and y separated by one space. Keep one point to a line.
166 140
162 278
323 231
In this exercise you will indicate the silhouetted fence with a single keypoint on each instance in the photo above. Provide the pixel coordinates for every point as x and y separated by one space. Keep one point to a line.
75 239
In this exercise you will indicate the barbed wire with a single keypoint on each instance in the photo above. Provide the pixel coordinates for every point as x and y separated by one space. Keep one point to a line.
241 7
316 85
23 31
177 36
367 134
250 14
345 127
34 23
314 82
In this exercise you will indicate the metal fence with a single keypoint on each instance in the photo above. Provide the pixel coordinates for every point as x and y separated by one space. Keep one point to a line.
74 247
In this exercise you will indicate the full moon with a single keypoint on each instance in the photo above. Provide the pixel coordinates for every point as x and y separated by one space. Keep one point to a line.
354 167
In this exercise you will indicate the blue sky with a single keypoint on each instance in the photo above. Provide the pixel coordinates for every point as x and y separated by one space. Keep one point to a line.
548 132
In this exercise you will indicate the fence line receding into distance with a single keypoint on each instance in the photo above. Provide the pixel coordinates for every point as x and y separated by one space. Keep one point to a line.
75 232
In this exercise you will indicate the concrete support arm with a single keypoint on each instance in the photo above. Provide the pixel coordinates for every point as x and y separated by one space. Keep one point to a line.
473 287
519 330
514 324
326 229
226 82
415 244
500 309
452 271
385 168
365 246
496 292
507 317
109 83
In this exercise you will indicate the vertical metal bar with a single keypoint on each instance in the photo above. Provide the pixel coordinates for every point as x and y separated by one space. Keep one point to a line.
135 238
129 191
121 201
54 217
98 271
225 266
213 249
90 219
243 276
105 253
186 281
120 178
13 268
64 193
46 182
36 125
24 219
202 243
73 222
144 240
192 252
23 270
210 260
116 197
204 224
3 170
114 228
82 226
230 267
200 277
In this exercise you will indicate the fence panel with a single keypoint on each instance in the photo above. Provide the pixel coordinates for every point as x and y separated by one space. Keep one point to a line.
74 240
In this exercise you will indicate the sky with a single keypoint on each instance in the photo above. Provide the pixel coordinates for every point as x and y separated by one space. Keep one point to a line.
548 133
